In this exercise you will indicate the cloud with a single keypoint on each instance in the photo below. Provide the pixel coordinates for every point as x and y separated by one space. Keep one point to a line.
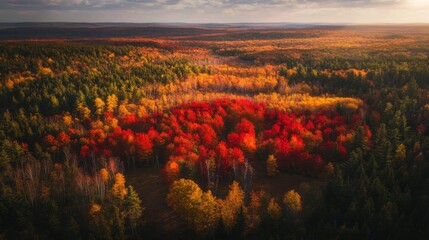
185 4
333 11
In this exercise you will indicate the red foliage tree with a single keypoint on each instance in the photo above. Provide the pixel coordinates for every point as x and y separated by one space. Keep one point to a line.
143 146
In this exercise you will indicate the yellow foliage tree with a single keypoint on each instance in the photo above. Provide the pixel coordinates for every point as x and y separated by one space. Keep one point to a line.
97 124
200 210
118 189
95 208
67 120
45 71
272 166
111 123
184 195
99 106
208 214
104 175
253 217
9 84
292 201
273 209
83 111
123 111
141 111
133 207
230 207
112 103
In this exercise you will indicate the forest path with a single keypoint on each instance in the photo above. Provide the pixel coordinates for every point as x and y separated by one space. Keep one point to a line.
277 186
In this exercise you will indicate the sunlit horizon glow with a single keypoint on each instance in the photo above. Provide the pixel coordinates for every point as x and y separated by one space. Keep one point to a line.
216 11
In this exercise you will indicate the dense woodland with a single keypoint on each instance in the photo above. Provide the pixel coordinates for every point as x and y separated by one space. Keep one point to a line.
216 116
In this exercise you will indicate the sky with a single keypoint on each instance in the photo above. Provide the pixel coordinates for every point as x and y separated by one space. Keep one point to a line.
216 11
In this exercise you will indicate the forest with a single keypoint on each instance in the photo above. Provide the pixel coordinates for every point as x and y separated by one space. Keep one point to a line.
214 133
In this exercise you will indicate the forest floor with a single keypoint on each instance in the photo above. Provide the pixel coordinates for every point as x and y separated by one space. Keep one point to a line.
161 221
164 223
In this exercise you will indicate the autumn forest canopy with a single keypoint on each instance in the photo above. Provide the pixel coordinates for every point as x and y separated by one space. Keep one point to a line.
214 132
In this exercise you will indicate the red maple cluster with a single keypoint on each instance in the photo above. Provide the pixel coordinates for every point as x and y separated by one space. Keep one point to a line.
223 136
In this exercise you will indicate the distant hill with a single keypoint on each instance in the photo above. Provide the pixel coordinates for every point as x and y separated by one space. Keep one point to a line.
23 31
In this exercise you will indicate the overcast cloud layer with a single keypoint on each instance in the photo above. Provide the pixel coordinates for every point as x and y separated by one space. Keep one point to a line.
202 11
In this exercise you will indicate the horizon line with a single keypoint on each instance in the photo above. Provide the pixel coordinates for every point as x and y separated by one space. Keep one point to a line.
225 23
